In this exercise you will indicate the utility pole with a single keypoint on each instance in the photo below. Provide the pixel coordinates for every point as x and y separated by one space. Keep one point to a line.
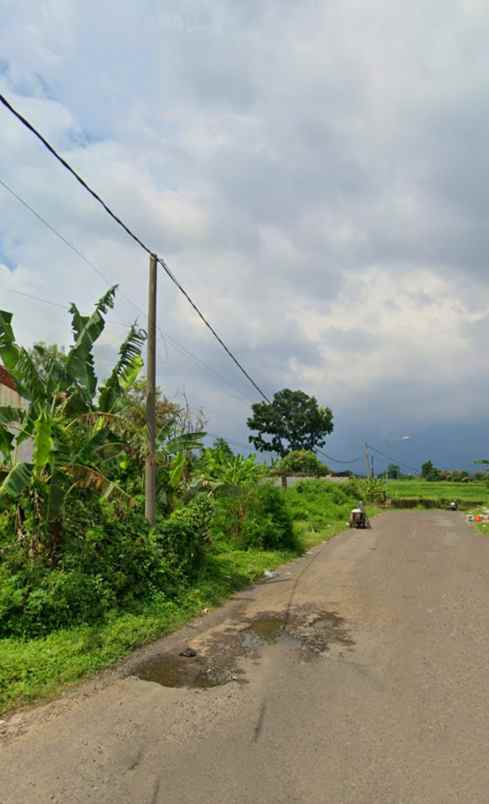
373 466
367 461
150 468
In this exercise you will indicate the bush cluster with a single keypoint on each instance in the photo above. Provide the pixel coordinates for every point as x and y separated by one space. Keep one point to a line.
109 562
318 504
254 517
301 462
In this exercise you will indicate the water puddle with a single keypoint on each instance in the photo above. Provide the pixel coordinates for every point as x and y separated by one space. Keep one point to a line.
263 630
199 672
307 634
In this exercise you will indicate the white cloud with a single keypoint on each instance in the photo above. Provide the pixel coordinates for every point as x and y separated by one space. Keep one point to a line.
312 173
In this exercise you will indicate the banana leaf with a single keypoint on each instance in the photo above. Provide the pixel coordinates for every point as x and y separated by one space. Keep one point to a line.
17 480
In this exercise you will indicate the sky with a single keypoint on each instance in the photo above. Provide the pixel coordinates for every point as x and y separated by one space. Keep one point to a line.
314 173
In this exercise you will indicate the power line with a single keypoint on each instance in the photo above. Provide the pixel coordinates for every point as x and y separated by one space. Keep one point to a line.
55 304
198 360
337 460
76 251
189 354
163 337
73 172
64 240
389 458
125 324
211 329
132 235
249 447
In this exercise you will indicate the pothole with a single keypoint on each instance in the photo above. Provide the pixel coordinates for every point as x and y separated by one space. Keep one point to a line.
199 672
262 630
306 633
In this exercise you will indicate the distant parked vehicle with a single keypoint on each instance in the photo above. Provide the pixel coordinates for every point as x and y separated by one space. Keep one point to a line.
358 518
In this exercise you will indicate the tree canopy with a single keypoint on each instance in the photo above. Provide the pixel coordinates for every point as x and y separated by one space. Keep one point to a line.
301 462
429 472
292 421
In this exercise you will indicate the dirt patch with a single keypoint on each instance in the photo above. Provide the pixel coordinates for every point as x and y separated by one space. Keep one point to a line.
306 633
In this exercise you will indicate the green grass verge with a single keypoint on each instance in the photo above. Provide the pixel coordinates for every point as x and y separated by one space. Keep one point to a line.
438 489
34 669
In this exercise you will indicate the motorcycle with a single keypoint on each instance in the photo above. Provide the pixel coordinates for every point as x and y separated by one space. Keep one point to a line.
359 519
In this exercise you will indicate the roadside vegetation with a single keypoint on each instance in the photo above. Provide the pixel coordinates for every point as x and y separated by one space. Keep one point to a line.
83 577
39 666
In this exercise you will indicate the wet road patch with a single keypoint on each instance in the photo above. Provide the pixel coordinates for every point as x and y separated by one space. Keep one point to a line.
305 633
199 672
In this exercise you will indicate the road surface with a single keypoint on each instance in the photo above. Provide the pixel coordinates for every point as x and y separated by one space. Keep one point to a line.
359 675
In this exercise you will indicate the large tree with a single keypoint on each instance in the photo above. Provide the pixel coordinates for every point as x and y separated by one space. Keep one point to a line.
292 421
429 472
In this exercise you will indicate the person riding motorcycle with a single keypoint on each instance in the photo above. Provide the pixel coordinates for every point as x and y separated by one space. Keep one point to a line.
358 517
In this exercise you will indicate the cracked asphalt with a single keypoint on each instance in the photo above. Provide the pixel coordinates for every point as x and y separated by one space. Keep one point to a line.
360 675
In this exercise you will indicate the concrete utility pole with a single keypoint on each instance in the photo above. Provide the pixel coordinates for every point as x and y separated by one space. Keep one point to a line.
150 468
367 461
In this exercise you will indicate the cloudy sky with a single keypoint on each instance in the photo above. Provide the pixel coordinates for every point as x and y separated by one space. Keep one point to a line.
314 172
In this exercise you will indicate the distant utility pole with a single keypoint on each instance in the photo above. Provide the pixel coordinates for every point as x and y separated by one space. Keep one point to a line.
367 461
373 466
150 468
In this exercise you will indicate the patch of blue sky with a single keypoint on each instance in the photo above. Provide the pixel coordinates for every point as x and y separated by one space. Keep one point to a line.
5 259
37 86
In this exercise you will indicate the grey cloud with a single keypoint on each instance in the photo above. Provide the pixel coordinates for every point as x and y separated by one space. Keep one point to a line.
358 341
276 153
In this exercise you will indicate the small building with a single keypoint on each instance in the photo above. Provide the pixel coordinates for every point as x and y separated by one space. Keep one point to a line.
8 390
10 396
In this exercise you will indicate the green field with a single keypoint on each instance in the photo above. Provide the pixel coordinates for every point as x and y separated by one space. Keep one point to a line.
477 492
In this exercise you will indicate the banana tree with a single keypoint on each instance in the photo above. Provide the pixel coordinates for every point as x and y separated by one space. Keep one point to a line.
223 473
174 467
71 446
233 477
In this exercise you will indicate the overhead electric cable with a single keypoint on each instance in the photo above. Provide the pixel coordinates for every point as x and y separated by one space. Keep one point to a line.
389 458
70 245
125 324
25 122
39 299
163 336
337 460
206 366
211 328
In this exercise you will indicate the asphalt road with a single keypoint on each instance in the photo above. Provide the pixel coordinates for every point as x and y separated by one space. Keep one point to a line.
361 677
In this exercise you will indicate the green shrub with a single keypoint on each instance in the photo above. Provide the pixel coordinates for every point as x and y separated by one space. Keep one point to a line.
110 562
11 596
267 524
373 489
300 461
67 597
184 536
121 549
33 603
319 503
254 516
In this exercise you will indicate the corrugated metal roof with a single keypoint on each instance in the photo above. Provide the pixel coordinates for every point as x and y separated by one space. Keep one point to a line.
6 379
